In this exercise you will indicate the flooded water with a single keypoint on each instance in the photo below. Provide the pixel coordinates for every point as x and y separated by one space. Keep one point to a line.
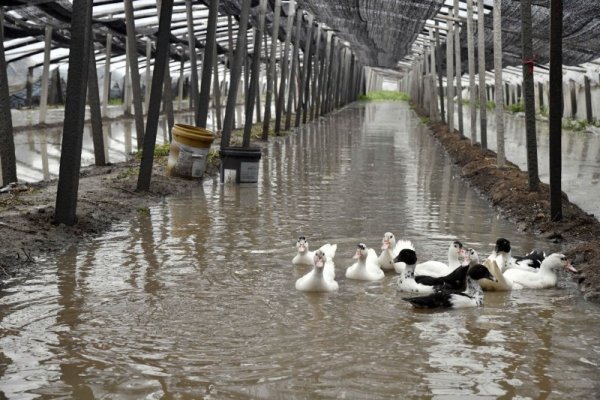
196 299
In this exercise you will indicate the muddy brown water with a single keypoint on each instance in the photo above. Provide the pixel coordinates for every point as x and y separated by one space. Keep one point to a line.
196 299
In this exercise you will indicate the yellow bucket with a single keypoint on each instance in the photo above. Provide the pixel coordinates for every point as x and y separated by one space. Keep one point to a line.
189 151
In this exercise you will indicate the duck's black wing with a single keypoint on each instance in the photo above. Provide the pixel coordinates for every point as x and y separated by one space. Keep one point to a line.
455 280
533 259
439 299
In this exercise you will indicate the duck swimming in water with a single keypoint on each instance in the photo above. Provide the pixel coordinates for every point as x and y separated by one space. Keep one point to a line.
543 278
321 278
390 250
472 296
305 257
366 267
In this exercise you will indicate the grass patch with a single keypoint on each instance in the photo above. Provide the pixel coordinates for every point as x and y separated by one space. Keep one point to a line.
143 211
544 111
385 95
576 125
490 104
213 158
115 102
517 107
424 120
160 150
129 172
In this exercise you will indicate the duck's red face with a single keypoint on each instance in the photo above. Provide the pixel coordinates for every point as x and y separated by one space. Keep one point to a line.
302 245
567 264
319 259
361 250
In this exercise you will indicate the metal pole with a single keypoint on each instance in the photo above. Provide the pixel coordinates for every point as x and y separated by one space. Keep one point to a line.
148 76
284 69
588 100
292 85
217 90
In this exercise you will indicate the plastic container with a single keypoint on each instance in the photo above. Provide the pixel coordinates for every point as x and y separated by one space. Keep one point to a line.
189 151
240 164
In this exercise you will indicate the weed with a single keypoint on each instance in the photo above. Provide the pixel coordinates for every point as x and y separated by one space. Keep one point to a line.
517 107
160 150
385 95
133 171
576 125
544 111
143 210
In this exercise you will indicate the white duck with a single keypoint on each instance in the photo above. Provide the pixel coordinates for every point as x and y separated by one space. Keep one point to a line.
321 278
390 250
543 278
305 257
366 267
406 282
437 268
497 263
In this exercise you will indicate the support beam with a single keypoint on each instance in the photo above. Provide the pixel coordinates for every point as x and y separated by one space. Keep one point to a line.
497 22
588 100
148 74
234 78
255 77
529 96
458 58
207 64
7 144
471 61
217 91
93 95
450 74
193 58
284 69
134 73
481 61
45 75
556 108
106 83
292 85
158 79
271 72
72 138
439 70
306 68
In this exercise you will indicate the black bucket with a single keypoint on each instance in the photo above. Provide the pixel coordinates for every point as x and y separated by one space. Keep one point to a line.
244 160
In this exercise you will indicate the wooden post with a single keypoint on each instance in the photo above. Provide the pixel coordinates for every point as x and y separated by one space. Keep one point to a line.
45 75
70 157
161 64
255 74
471 57
304 73
284 69
541 94
497 22
7 144
588 100
106 83
573 92
292 85
315 80
134 73
180 86
148 74
556 108
235 72
481 57
95 114
439 70
450 74
458 57
193 59
217 90
271 72
127 81
168 97
433 108
207 64
529 95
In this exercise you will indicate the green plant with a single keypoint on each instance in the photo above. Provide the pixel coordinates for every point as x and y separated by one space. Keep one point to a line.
576 125
490 105
143 210
544 110
385 95
115 102
517 107
424 120
160 150
212 157
133 171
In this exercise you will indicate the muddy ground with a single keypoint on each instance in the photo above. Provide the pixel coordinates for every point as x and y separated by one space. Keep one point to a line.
107 195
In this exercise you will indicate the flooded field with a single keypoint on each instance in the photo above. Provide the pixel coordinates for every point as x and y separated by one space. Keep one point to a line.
196 298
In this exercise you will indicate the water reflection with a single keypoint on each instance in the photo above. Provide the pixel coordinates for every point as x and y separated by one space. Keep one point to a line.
197 299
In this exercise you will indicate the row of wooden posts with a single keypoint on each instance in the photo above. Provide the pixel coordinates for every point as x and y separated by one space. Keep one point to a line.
425 84
326 77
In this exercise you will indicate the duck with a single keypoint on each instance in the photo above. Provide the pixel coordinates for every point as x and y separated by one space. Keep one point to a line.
366 267
502 254
454 280
542 278
437 268
472 296
321 278
390 250
406 282
529 262
499 261
305 257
